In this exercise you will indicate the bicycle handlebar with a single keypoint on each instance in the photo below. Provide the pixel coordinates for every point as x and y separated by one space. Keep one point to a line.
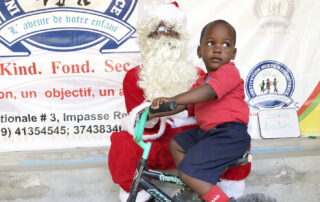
141 122
165 107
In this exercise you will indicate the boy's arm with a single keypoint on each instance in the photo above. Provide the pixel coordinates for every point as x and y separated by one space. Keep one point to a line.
196 95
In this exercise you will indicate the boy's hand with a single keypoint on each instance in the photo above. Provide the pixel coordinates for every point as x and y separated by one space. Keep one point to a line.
170 107
156 102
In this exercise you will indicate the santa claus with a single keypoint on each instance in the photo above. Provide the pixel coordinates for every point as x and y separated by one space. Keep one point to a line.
165 72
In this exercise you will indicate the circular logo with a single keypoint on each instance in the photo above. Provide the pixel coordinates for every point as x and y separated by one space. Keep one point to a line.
270 84
275 13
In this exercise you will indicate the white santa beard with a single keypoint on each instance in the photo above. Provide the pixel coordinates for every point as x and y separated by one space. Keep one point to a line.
166 70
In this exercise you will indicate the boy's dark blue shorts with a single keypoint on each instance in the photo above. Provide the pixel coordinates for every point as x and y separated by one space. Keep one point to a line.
208 153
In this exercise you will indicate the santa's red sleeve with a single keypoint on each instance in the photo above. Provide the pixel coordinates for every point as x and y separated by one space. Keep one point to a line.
135 102
133 95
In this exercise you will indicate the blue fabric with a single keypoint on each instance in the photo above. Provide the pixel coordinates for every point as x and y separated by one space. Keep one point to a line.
208 153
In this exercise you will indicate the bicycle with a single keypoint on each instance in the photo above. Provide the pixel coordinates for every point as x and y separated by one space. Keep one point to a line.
140 180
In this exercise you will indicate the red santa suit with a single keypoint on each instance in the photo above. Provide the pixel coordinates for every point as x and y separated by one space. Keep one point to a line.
125 153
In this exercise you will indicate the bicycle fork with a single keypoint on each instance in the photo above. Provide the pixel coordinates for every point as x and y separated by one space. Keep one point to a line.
140 181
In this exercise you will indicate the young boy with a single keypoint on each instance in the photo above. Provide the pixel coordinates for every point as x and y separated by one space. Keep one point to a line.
217 101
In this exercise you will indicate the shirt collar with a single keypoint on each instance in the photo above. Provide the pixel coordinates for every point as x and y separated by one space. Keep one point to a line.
205 76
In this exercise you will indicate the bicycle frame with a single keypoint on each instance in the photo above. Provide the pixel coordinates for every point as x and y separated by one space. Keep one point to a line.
140 180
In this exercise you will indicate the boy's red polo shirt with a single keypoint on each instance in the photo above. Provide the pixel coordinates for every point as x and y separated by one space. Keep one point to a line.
230 104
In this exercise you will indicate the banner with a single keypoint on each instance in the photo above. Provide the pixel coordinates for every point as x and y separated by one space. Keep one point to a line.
62 64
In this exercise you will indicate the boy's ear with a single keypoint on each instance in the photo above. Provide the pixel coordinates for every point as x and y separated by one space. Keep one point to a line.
199 52
234 53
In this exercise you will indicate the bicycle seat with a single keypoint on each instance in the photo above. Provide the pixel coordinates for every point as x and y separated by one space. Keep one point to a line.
246 158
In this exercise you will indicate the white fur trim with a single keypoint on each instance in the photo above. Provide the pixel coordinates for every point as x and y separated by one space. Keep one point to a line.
181 119
167 12
151 123
128 122
142 196
233 188
159 133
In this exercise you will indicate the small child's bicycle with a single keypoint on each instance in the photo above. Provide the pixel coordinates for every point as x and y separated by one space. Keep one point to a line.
142 174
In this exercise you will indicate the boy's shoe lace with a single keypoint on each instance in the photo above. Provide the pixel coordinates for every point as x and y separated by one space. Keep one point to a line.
185 194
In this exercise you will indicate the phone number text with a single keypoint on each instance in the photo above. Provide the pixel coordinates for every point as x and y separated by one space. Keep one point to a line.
59 130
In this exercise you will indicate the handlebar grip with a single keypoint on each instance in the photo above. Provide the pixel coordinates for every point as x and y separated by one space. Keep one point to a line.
165 107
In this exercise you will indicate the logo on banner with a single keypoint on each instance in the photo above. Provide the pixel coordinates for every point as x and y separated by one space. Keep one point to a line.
59 25
270 84
274 13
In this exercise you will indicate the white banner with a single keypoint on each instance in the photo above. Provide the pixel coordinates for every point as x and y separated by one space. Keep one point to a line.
61 66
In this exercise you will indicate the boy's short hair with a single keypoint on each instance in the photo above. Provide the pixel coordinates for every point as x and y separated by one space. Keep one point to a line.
219 22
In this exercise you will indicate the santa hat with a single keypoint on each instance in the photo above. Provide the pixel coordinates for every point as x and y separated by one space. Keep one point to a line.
169 13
